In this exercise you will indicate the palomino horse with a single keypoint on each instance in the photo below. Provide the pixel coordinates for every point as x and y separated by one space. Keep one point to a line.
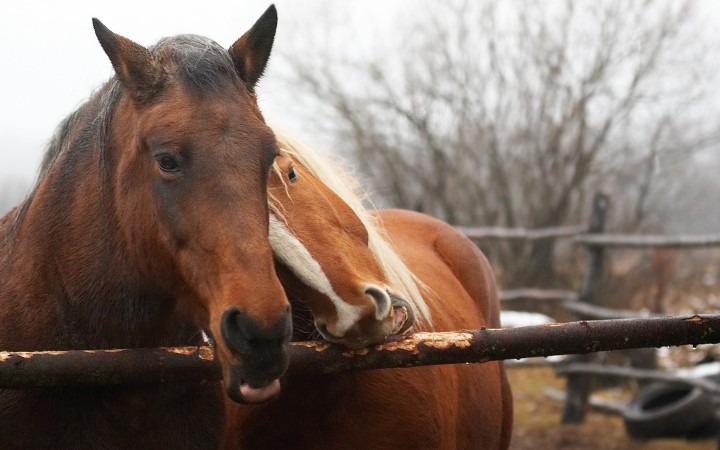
149 224
441 407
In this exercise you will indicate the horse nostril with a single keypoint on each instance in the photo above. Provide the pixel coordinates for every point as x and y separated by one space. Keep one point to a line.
328 335
382 301
243 334
232 324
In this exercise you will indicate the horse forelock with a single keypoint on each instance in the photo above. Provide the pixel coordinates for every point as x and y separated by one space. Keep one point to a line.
202 64
401 278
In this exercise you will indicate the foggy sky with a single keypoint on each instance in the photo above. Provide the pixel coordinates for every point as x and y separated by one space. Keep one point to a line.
51 60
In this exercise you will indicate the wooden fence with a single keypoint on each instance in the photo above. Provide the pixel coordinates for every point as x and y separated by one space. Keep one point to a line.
586 303
20 370
626 329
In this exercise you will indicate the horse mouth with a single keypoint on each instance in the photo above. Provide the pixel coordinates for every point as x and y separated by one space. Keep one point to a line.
403 315
240 390
402 319
400 316
250 393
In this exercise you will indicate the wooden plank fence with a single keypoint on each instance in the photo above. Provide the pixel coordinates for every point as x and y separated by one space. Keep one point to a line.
585 303
625 329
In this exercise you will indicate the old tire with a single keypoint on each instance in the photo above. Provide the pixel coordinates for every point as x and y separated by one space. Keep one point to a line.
668 410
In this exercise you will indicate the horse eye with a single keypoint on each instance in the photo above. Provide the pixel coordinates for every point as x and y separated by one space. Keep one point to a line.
167 163
292 175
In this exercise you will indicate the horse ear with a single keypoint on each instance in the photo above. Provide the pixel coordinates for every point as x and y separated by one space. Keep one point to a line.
251 52
132 62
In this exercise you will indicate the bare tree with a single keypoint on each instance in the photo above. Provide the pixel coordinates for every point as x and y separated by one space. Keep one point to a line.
513 113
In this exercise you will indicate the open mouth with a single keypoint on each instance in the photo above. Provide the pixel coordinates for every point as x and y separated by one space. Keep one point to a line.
403 315
400 316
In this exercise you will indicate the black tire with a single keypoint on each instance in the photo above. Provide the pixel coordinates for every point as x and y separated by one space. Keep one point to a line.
668 410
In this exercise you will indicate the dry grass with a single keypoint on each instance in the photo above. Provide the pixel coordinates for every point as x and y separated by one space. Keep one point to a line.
537 421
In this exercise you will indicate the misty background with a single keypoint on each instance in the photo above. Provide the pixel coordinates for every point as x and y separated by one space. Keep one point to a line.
481 113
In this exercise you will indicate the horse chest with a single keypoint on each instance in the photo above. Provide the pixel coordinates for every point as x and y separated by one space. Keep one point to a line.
359 411
173 416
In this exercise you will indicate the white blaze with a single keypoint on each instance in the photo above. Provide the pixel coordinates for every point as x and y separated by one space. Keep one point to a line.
291 252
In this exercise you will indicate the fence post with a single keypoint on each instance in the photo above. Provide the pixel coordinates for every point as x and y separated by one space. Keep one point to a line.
578 386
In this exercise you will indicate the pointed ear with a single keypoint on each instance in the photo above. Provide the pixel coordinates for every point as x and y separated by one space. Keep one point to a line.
132 62
251 52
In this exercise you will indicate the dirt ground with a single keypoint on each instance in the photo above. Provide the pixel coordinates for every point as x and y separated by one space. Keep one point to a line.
537 421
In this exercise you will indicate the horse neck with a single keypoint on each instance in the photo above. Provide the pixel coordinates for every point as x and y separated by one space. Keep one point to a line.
69 269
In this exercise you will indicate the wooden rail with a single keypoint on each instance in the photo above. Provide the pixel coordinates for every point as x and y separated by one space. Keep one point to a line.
589 311
538 294
580 235
648 241
640 374
479 233
586 303
185 364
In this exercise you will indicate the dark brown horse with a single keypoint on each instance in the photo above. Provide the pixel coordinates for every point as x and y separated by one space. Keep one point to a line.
149 224
444 279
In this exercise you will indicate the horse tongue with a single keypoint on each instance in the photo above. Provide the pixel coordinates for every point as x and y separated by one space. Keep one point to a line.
261 394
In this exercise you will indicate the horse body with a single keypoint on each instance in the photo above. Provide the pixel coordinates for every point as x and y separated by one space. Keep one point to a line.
440 407
148 225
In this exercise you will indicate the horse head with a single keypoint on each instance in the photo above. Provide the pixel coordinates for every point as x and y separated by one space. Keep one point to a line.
190 155
325 259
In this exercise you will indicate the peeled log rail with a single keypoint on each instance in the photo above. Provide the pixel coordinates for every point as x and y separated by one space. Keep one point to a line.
648 241
20 370
571 303
580 235
522 233
538 294
592 312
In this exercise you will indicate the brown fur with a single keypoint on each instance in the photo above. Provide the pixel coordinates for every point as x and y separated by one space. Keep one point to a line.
440 407
112 251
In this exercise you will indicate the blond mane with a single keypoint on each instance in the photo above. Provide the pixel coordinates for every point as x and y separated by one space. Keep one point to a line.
401 279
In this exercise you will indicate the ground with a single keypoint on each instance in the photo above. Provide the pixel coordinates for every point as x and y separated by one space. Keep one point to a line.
537 421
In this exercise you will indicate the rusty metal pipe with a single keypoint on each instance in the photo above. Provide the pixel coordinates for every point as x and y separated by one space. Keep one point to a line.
185 364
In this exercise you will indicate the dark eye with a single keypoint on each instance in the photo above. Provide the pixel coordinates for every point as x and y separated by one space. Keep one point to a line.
292 175
167 163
